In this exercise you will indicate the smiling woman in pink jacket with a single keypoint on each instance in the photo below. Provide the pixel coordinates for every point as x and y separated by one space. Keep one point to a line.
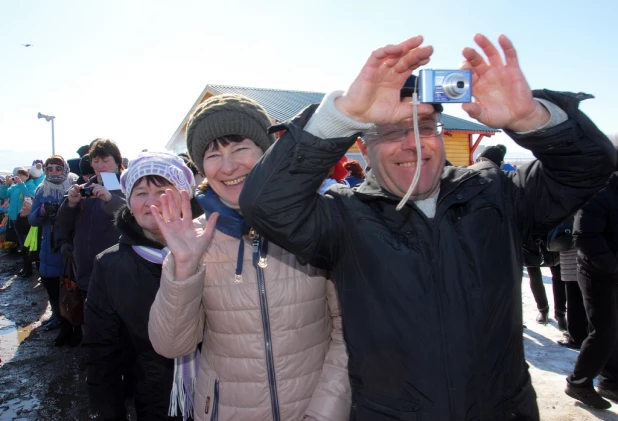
270 327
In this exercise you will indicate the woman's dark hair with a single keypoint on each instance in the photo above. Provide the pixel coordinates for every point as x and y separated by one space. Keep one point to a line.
155 180
355 169
101 148
224 141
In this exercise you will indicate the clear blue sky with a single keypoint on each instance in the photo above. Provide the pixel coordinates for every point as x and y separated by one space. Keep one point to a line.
130 70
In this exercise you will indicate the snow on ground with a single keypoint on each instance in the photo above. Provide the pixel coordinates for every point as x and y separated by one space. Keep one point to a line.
551 363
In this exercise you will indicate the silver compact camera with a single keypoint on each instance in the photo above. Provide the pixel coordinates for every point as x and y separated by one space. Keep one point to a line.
440 86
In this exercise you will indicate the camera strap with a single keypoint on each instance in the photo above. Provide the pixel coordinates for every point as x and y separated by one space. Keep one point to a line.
417 139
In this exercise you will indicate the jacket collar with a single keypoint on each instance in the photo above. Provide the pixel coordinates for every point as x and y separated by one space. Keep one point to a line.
371 190
130 232
229 222
459 184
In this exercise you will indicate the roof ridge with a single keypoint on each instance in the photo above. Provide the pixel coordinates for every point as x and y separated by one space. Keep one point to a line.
265 89
469 123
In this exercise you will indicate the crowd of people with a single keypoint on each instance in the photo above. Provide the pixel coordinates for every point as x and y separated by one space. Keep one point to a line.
256 278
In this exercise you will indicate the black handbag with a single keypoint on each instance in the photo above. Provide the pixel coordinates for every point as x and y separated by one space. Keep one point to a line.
532 257
71 299
561 237
536 254
550 258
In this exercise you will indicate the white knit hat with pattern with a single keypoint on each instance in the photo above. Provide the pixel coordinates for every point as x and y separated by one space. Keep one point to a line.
166 165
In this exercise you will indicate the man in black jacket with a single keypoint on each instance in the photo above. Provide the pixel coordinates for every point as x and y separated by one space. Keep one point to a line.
596 237
431 294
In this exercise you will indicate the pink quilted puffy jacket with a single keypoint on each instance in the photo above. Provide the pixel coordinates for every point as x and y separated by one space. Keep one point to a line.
294 308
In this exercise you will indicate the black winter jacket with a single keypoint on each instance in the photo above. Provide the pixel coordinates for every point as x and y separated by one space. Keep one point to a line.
122 289
431 307
596 234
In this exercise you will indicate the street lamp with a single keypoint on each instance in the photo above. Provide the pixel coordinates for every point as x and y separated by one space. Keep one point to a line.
49 118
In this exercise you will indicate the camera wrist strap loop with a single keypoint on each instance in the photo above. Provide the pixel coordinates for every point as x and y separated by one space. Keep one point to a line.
417 139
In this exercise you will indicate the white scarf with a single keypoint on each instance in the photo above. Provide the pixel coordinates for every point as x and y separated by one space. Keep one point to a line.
185 367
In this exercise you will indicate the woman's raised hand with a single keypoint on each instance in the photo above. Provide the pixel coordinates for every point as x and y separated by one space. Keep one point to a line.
186 242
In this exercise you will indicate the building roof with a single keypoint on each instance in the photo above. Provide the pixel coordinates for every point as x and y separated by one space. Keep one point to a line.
285 104
460 125
281 105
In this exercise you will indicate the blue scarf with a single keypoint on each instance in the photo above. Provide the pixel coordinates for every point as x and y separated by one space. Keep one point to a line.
230 222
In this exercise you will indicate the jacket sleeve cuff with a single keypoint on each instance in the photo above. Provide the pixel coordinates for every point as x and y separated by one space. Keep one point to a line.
328 122
556 116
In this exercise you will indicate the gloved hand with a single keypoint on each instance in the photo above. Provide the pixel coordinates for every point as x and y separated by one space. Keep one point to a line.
66 250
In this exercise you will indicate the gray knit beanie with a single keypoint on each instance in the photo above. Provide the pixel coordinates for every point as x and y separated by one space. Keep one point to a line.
225 115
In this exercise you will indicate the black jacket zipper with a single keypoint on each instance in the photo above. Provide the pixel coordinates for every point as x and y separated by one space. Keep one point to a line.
260 246
215 405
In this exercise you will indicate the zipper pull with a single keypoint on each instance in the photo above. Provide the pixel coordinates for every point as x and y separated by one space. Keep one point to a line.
262 263
263 255
256 253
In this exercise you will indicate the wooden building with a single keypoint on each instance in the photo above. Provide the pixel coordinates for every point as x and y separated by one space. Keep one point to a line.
461 137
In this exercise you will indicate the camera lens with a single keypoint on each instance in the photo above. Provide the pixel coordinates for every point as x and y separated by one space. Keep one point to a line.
455 85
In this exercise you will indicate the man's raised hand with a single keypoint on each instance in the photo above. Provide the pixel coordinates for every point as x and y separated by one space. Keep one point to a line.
374 96
502 97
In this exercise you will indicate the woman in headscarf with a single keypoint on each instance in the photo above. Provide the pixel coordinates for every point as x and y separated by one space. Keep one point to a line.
47 198
124 282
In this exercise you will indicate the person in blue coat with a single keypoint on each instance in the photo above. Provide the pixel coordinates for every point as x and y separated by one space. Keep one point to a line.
16 188
47 199
37 172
